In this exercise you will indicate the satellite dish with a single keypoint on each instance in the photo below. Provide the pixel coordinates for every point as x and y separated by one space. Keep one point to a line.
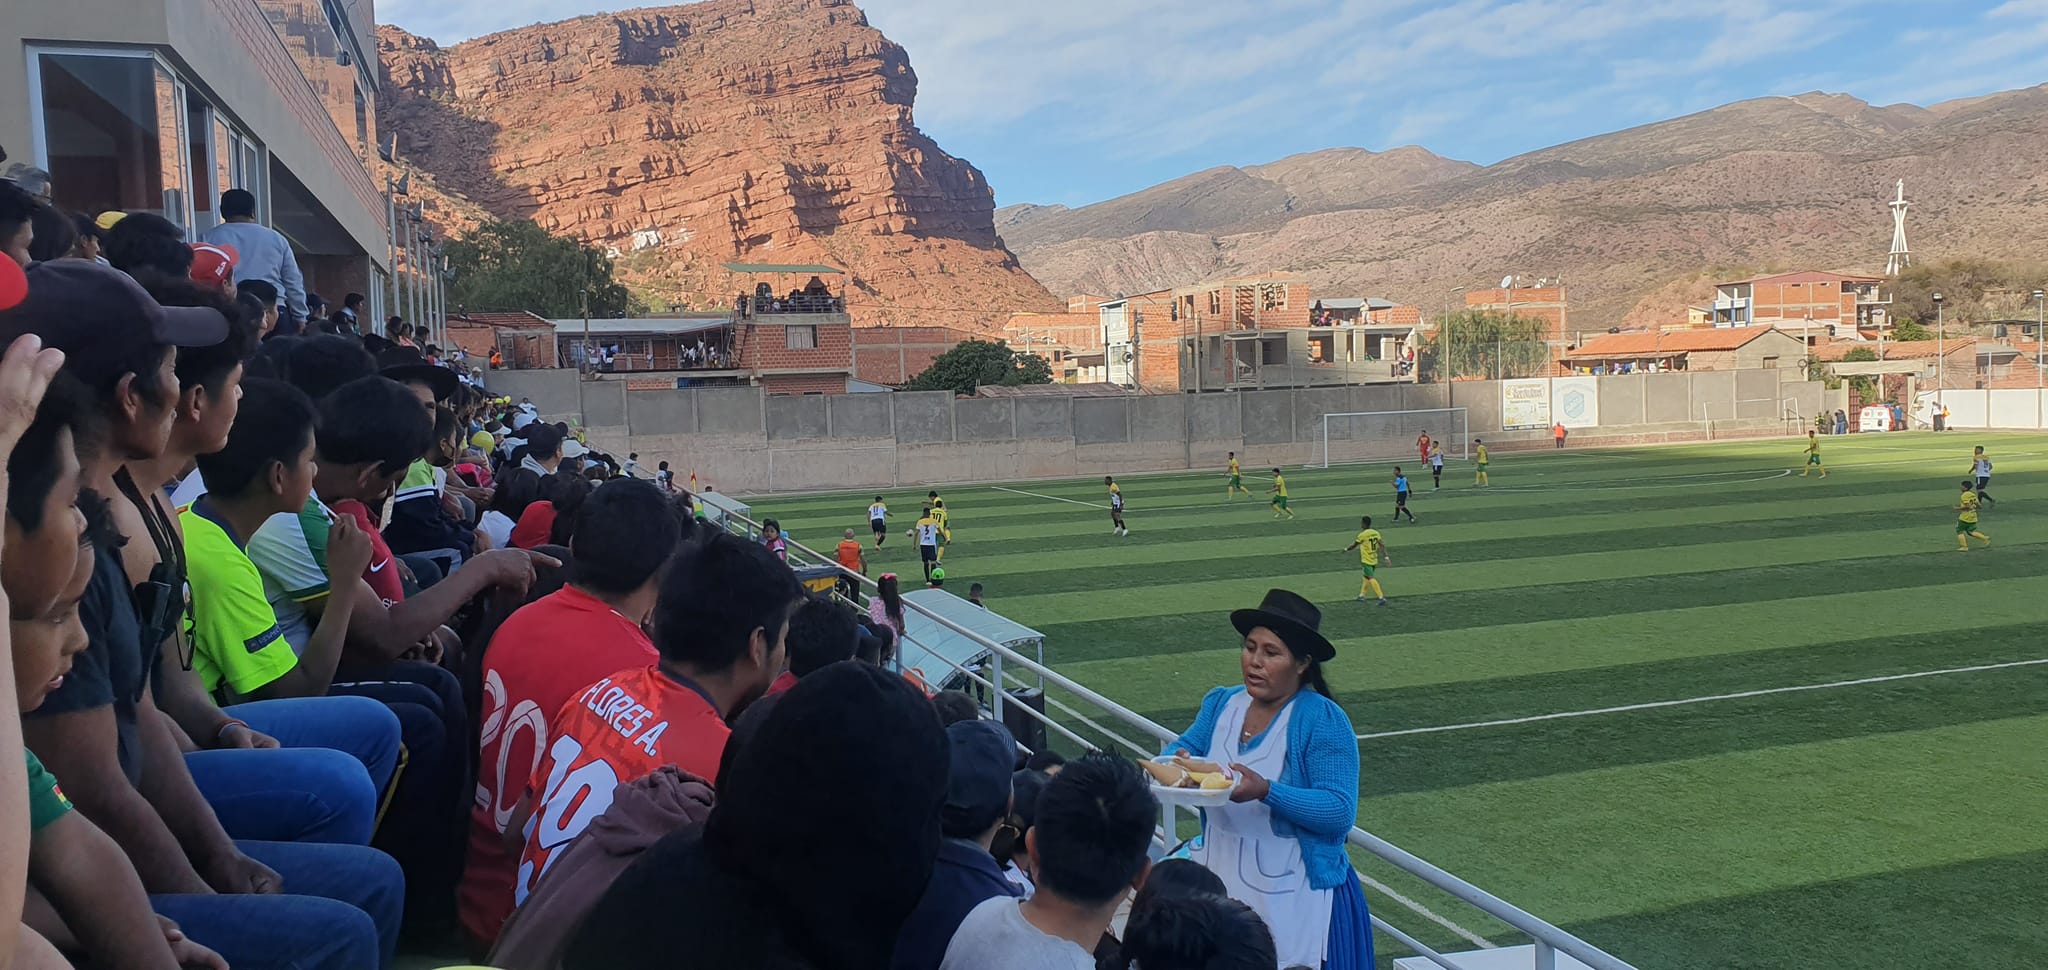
1507 282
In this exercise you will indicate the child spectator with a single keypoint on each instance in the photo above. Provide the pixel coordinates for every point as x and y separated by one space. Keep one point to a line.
518 489
1008 846
822 632
721 619
546 654
978 799
743 892
1087 848
885 608
772 537
1197 932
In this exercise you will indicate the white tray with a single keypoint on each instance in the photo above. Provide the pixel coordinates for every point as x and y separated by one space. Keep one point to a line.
1190 797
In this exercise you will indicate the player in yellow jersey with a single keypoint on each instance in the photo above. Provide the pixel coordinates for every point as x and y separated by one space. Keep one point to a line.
1480 455
1372 553
1236 481
938 512
1116 508
1813 456
1966 518
1279 493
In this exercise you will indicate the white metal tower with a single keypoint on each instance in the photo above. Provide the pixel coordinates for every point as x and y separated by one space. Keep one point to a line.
1901 256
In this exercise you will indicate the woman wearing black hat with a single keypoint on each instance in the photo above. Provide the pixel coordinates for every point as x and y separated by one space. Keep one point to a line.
1279 845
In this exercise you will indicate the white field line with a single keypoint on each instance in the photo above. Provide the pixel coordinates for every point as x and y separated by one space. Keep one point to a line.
1429 914
1069 501
1710 698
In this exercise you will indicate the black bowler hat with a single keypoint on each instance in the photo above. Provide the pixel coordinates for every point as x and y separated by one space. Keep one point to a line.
1295 620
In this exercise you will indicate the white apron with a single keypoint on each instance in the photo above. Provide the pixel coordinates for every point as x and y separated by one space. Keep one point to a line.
1259 868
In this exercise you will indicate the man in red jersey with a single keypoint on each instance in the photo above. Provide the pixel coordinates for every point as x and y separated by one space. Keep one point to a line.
547 653
721 621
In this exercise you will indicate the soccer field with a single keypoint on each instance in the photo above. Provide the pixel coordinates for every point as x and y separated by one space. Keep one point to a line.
1678 700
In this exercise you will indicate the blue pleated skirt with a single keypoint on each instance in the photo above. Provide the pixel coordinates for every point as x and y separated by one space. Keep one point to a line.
1350 929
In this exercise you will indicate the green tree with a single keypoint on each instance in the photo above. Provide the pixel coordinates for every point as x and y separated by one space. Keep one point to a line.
516 265
1865 387
1489 343
974 363
1907 329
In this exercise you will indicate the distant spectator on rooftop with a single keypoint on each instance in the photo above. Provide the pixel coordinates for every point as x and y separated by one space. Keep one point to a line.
265 255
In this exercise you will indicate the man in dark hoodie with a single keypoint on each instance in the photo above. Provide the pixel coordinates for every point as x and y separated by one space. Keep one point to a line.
845 774
978 799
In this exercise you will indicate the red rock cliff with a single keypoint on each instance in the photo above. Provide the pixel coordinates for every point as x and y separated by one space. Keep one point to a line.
685 137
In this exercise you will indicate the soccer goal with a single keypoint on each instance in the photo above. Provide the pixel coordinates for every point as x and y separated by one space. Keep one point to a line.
1362 436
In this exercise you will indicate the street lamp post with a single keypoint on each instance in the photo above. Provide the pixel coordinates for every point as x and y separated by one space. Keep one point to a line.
2040 338
1940 357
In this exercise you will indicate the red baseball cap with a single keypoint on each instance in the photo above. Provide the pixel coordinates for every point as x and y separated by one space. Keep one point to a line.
13 285
213 264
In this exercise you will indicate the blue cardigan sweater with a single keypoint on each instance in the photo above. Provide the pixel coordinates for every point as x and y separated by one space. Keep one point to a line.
1315 799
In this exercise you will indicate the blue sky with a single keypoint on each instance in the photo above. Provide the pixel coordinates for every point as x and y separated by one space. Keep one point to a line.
1075 101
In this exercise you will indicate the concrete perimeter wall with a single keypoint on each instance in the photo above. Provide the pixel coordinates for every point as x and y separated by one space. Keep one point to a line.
741 440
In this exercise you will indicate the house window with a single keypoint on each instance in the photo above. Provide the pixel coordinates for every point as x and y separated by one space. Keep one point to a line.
800 338
114 132
1770 363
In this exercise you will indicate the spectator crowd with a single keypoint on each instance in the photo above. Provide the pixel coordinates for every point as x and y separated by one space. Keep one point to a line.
320 649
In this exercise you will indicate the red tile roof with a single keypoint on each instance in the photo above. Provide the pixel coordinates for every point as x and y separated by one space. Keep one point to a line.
1669 342
1894 349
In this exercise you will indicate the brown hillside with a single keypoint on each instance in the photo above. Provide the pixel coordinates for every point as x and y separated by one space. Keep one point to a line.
1627 218
685 137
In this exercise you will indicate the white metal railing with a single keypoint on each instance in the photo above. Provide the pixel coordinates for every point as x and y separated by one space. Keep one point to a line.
1548 940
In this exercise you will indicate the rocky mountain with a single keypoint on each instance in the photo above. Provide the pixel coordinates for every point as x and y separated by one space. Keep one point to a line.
1637 222
764 131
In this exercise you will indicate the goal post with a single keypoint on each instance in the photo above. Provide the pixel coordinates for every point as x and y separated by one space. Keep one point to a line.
1361 436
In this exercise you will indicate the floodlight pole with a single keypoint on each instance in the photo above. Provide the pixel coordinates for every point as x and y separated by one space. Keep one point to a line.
1940 356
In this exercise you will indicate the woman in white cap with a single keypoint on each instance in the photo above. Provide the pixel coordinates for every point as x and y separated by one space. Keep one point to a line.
1279 845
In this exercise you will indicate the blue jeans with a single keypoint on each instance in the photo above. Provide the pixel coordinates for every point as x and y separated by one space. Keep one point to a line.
342 912
322 791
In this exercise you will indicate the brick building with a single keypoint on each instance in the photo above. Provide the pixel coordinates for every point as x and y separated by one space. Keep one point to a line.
795 353
1701 350
1545 303
1071 342
1833 304
891 356
523 341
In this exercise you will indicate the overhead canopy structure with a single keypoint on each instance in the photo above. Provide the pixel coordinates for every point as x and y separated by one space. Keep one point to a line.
791 268
928 645
717 507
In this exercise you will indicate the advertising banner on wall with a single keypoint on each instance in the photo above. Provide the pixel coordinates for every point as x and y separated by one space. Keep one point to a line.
1525 404
1575 401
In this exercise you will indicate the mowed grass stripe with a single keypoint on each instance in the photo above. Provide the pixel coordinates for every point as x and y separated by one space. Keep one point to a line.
1134 594
1613 841
1508 650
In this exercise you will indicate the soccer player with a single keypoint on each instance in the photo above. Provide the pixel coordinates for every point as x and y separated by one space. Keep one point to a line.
1422 444
1116 507
1813 456
1236 482
1279 493
1436 466
1401 496
1966 518
878 520
1980 469
938 512
927 532
1479 453
1371 552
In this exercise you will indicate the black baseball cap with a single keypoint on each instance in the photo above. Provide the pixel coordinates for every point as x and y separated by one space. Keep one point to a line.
98 316
978 785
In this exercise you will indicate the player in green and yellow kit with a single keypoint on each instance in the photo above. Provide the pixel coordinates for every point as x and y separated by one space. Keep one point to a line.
1813 456
1480 455
1236 481
1279 493
1966 518
1372 552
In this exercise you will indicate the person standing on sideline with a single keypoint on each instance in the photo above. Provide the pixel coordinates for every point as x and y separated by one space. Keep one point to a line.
1557 431
1116 507
1966 519
1436 466
1236 481
1372 551
1480 454
1295 758
878 521
1401 496
265 255
1813 456
1279 493
1980 469
1422 444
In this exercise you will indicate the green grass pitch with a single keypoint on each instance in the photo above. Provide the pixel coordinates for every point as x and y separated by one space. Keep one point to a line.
1892 807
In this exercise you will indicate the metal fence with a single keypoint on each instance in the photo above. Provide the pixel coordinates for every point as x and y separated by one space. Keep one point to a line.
1087 719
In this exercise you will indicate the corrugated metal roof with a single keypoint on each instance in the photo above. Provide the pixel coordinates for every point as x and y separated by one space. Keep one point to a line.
1668 342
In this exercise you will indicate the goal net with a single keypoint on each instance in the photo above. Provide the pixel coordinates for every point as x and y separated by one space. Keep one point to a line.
1363 436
